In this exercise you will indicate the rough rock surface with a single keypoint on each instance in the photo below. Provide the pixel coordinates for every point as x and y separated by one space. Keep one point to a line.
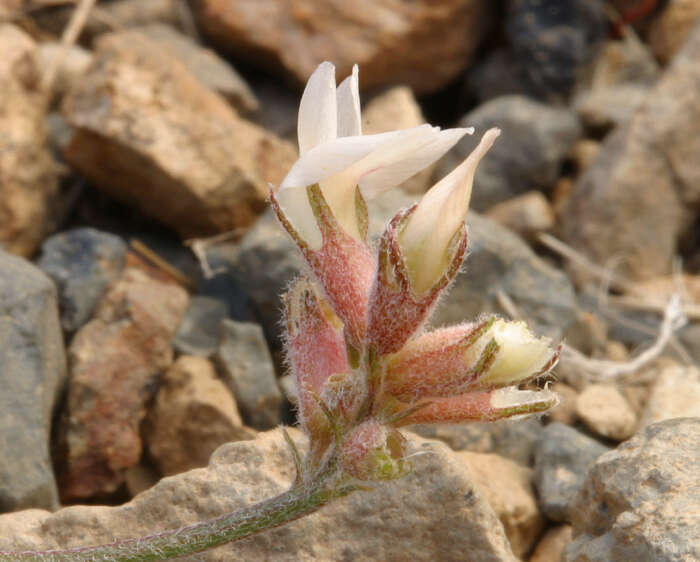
507 487
675 393
641 501
435 513
82 262
635 199
32 373
526 215
207 66
528 155
671 28
393 42
248 370
552 545
28 174
147 132
71 64
498 261
606 412
192 415
199 330
562 458
113 360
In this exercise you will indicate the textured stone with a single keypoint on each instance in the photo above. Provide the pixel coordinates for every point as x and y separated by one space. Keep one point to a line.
636 198
526 215
395 109
32 374
113 360
671 28
199 330
82 262
606 412
435 513
210 69
141 119
393 42
552 545
500 261
28 174
507 487
675 393
71 63
193 414
641 501
562 458
248 370
528 155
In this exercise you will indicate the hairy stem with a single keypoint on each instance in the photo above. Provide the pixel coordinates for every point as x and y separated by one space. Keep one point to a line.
286 507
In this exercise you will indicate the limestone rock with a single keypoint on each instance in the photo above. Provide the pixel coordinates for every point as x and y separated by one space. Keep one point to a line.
422 44
82 262
147 132
528 155
28 174
606 412
675 393
113 360
32 375
636 198
641 501
507 487
193 414
562 458
248 370
435 513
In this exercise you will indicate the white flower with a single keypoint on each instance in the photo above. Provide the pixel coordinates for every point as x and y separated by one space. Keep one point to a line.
336 155
426 238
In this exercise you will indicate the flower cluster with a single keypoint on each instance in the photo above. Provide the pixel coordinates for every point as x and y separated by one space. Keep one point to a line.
356 343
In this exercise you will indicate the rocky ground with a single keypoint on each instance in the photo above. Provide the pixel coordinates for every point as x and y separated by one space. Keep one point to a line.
128 358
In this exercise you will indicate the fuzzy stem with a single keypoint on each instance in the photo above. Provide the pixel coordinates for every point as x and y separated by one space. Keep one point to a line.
244 522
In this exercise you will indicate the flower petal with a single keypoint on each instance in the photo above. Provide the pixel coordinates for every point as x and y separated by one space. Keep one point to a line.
317 122
348 96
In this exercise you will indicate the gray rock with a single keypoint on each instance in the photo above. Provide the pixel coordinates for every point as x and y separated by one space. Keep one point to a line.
499 260
248 370
562 457
554 40
527 155
82 262
435 513
641 501
512 439
640 193
199 330
32 373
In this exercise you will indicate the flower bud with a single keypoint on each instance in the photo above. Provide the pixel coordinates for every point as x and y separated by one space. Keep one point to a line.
374 452
430 230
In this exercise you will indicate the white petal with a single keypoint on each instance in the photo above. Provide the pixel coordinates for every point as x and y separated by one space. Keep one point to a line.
317 122
332 157
348 95
388 168
296 207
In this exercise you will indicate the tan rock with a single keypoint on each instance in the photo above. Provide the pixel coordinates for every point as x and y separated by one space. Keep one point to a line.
674 394
28 174
435 513
397 109
565 412
671 28
423 44
71 64
527 214
606 412
635 200
113 359
507 487
193 414
148 133
584 152
552 545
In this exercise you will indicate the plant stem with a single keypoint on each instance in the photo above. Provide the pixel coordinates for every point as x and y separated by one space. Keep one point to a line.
286 507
